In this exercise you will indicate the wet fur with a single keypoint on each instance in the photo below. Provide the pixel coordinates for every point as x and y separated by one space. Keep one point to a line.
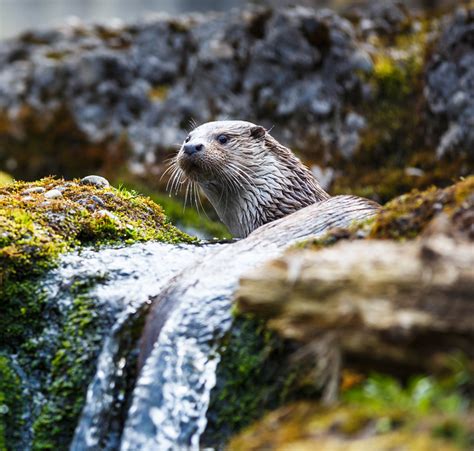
250 181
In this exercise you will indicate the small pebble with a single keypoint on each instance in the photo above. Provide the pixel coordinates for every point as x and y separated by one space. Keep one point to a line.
98 201
53 194
34 190
95 180
28 198
109 214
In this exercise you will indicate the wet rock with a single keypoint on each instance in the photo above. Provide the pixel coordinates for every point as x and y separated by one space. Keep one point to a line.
337 90
95 180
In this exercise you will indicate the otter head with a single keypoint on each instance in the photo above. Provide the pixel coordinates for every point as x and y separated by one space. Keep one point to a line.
212 151
249 178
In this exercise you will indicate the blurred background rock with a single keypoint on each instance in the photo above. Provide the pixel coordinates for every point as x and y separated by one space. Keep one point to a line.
376 97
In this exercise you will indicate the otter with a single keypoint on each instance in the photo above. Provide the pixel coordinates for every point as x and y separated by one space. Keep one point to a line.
247 175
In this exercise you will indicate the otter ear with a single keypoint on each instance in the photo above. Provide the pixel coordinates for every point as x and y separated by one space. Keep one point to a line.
257 132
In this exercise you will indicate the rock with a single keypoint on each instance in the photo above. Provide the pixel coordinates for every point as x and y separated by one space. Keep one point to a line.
34 190
53 194
450 81
95 180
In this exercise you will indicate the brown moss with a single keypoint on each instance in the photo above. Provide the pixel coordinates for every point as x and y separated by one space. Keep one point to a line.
409 215
42 143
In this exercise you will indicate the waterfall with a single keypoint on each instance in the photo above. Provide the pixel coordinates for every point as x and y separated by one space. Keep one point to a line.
190 311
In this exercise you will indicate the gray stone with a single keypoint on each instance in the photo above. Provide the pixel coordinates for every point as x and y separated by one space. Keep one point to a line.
95 180
34 190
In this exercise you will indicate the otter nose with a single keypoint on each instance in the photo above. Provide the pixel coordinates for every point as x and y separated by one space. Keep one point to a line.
190 149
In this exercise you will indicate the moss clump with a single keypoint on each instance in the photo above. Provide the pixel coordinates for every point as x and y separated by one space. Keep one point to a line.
254 376
10 404
379 414
407 216
5 179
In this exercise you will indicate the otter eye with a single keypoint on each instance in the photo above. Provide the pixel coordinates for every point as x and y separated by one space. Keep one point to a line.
187 139
222 139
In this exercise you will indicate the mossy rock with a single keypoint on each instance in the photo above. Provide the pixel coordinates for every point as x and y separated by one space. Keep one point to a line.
410 215
254 376
38 222
10 404
36 228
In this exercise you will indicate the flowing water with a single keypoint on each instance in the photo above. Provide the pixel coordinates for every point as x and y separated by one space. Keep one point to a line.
168 306
167 407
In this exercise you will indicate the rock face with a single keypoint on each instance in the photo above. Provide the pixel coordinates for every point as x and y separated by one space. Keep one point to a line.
328 84
450 71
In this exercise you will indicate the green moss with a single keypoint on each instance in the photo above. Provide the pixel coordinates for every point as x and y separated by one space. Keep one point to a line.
10 405
409 215
187 218
71 368
380 413
395 153
420 396
254 376
35 230
5 178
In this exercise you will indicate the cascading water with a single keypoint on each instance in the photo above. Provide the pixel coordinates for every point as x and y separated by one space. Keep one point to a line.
171 396
158 400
